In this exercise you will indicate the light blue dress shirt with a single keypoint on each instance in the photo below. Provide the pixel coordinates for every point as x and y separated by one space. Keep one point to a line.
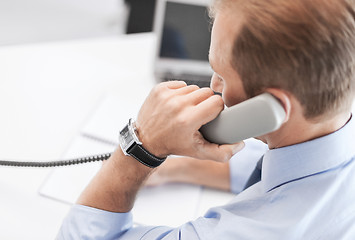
242 164
307 191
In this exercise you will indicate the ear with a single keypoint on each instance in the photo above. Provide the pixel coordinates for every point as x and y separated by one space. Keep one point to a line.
284 98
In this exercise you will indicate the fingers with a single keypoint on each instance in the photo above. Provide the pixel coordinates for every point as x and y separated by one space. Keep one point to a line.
206 105
174 84
222 153
199 95
194 94
209 109
187 89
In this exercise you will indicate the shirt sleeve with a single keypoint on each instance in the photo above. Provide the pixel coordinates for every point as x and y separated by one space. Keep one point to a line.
242 164
88 223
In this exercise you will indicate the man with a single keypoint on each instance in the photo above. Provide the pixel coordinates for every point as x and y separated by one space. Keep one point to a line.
303 53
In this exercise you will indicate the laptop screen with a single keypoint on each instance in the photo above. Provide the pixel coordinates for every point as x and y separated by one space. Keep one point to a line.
186 32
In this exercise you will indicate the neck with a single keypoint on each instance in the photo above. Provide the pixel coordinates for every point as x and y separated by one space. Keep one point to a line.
299 129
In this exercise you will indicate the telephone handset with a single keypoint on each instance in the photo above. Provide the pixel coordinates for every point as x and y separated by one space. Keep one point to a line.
254 117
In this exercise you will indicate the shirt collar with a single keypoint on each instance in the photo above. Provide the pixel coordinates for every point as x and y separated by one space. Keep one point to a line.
293 162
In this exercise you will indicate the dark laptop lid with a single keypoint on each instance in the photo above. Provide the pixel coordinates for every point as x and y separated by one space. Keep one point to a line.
183 37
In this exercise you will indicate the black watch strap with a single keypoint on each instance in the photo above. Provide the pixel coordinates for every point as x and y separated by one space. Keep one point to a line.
145 157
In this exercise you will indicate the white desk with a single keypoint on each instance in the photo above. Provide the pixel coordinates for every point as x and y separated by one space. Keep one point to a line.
46 93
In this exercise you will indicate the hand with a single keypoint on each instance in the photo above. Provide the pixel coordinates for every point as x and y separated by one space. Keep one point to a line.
171 116
174 169
170 171
180 169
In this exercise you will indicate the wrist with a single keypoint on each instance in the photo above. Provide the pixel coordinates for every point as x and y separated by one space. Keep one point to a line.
119 160
150 144
132 146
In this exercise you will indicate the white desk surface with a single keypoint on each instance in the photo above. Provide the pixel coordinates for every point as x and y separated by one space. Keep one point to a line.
47 91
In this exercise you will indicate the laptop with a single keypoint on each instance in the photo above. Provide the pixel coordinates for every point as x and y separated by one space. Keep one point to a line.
183 39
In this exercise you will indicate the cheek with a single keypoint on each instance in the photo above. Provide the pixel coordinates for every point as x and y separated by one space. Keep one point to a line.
232 96
228 97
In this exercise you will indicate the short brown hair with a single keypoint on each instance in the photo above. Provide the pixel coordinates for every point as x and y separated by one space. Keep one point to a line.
306 47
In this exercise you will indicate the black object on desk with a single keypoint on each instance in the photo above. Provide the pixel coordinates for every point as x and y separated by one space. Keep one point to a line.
141 16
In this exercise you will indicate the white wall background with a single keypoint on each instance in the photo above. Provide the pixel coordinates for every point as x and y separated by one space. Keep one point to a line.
24 21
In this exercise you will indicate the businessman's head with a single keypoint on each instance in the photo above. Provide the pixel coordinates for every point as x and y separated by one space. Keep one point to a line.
304 47
299 50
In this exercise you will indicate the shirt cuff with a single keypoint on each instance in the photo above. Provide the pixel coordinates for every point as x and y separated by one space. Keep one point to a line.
243 163
84 222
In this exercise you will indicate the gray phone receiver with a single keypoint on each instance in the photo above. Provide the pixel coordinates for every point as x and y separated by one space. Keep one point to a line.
254 117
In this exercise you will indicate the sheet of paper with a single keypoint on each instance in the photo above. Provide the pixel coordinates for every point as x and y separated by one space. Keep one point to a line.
113 114
170 205
66 183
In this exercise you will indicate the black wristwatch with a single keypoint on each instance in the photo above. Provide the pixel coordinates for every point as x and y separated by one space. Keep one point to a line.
131 146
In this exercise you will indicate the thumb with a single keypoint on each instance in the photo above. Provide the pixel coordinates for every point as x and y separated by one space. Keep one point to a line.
221 153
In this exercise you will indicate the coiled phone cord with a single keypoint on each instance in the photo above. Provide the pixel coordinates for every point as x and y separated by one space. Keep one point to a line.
60 163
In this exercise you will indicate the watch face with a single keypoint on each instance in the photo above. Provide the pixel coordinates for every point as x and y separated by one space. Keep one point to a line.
125 136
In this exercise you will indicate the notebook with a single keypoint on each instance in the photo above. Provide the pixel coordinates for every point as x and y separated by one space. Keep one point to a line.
183 39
